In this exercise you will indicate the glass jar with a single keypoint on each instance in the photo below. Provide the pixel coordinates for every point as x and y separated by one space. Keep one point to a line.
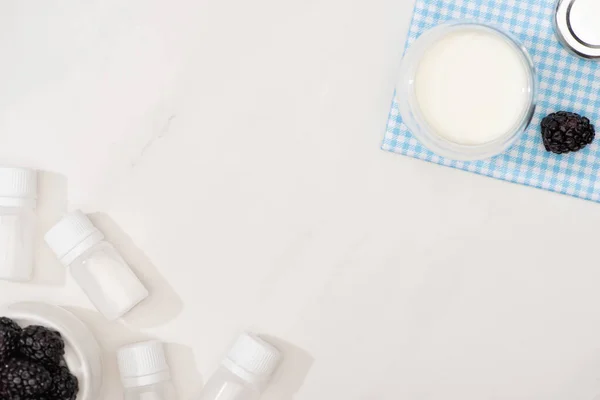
467 91
96 265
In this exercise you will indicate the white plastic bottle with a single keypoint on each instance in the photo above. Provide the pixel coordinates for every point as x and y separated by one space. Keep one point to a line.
96 266
18 221
245 371
145 372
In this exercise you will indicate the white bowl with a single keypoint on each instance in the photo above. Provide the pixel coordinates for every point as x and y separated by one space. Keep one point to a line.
82 352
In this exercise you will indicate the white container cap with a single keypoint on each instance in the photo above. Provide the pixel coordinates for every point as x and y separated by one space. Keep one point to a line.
252 359
18 187
143 364
72 236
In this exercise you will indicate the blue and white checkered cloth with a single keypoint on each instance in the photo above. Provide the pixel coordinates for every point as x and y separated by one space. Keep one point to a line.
566 83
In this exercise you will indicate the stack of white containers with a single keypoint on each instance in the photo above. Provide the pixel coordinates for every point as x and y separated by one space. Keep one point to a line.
114 290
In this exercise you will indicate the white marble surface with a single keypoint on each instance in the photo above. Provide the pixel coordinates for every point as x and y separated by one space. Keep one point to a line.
230 149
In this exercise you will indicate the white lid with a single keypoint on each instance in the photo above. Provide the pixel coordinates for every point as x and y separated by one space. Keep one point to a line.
72 236
577 26
18 186
143 364
252 359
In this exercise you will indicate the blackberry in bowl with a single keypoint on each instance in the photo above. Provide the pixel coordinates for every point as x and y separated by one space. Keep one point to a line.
9 337
24 378
55 356
41 344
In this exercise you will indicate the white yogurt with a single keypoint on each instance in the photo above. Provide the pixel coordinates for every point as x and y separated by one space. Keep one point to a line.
472 86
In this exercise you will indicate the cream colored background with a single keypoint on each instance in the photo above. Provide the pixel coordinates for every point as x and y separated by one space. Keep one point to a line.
230 149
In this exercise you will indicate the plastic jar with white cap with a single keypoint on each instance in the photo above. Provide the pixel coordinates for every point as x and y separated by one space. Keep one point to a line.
96 265
245 372
18 221
145 372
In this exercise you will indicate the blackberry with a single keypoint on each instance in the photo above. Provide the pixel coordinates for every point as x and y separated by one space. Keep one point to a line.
9 336
5 395
41 344
64 385
22 379
563 132
12 396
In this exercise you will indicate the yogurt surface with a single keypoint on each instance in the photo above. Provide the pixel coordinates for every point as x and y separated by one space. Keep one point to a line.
472 86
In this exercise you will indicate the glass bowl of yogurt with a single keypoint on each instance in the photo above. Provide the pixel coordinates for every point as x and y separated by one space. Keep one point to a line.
467 91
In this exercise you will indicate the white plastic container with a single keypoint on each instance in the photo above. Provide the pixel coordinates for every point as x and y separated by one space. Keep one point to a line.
95 264
82 352
245 371
145 372
18 221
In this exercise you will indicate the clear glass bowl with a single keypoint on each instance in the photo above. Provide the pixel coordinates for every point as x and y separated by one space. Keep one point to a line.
413 117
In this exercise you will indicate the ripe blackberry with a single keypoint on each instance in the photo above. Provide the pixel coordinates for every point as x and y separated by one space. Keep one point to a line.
12 396
563 132
22 379
64 385
9 336
5 395
41 344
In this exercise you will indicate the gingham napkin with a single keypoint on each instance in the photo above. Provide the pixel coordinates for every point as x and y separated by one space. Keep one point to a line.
566 83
